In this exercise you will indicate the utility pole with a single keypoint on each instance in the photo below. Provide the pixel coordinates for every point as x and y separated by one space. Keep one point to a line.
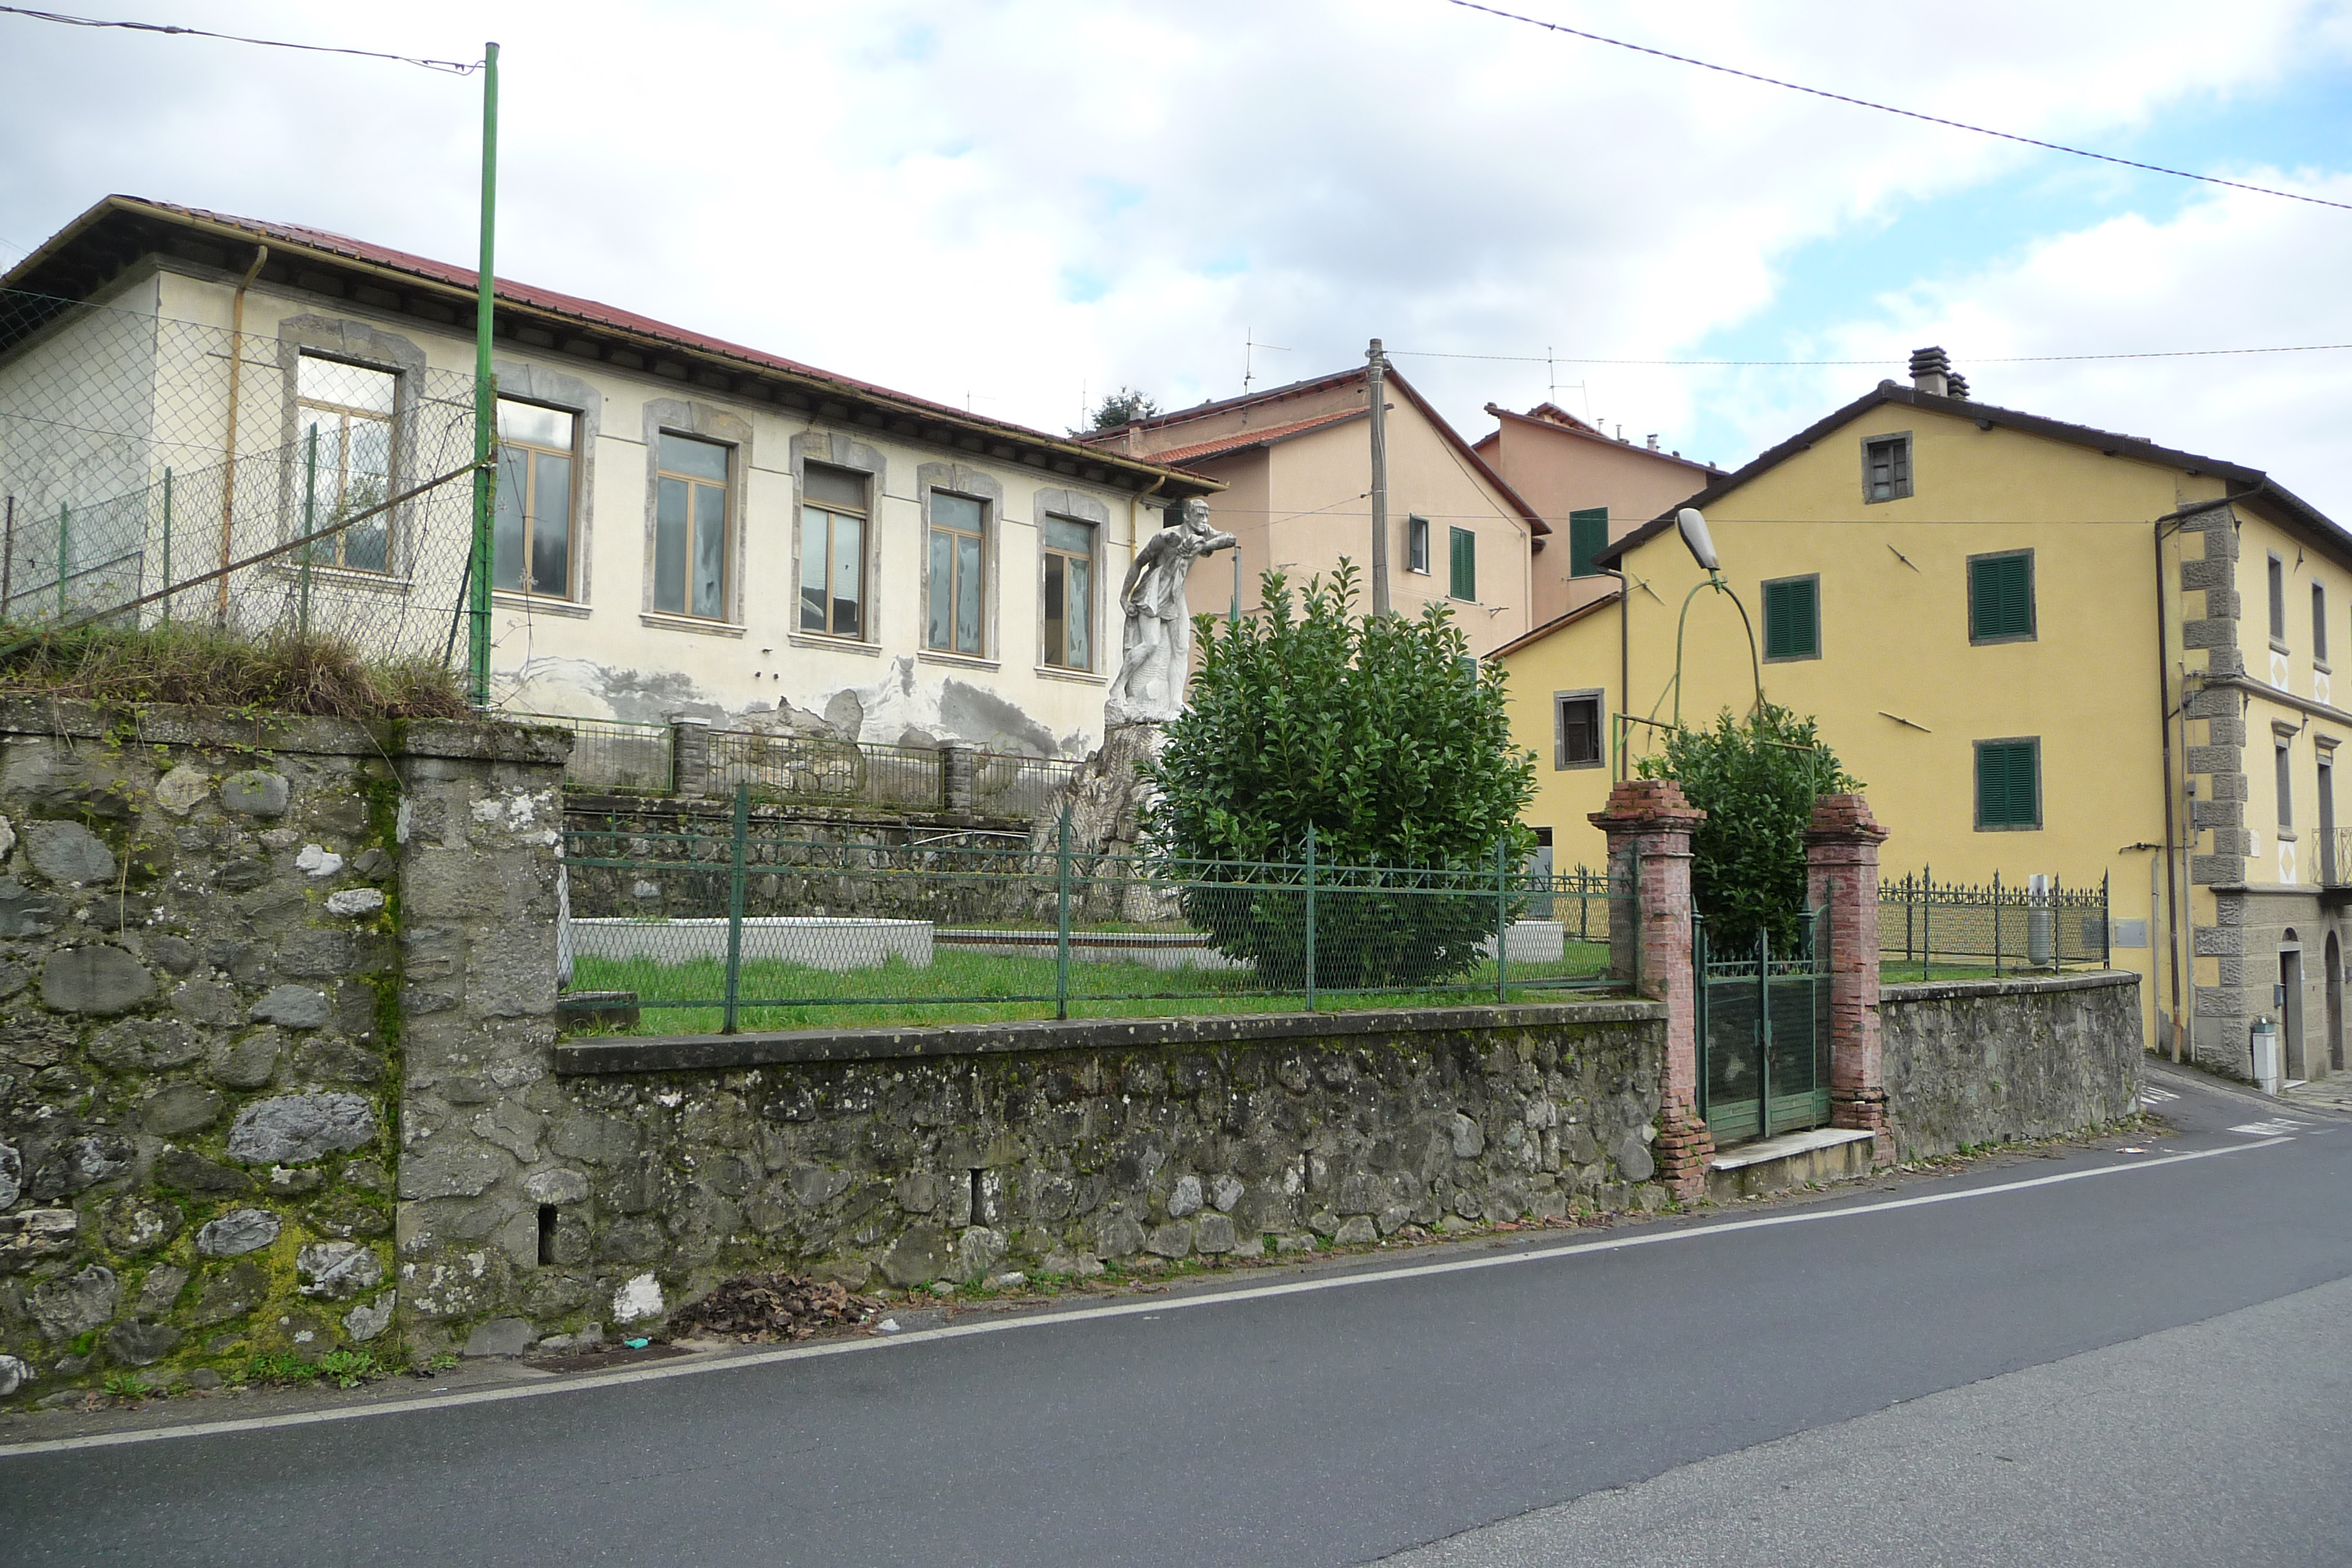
1376 390
486 401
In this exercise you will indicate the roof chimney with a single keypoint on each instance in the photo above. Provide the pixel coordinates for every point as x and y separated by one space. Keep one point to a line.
1931 369
1956 385
1654 440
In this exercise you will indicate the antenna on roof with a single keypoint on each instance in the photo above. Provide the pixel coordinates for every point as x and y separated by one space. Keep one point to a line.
1249 350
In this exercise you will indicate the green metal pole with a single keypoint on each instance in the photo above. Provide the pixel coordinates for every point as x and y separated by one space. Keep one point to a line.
477 585
1764 1034
167 544
1062 916
65 553
1996 925
1926 916
1502 918
737 840
1310 917
310 510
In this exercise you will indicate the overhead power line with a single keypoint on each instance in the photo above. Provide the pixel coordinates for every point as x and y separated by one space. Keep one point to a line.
455 67
1890 109
1814 363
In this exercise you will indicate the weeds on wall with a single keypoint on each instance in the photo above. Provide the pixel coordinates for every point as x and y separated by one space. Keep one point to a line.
169 662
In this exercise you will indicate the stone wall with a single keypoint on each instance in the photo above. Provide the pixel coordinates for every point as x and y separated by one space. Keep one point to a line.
912 1155
1985 1061
221 941
824 872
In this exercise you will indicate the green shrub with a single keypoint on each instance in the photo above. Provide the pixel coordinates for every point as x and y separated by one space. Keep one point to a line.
1380 734
1756 779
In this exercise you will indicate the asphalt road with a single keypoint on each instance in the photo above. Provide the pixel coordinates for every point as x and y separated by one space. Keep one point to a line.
2102 1357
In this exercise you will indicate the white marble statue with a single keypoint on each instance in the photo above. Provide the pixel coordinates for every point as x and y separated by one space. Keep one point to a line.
1156 646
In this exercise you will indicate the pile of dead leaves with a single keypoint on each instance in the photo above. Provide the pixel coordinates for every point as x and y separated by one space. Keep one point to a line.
759 1309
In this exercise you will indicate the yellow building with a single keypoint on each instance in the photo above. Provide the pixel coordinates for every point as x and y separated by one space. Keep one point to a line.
2044 649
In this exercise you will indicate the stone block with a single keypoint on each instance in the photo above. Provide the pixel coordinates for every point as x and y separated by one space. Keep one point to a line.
1224 1192
555 1185
94 980
292 1130
179 1108
141 1344
1184 1198
1213 1232
292 1007
1358 1231
237 1232
209 1003
145 1046
255 792
370 1319
337 1270
227 1293
447 1167
919 1256
332 1058
182 789
26 913
160 1291
1173 1239
72 1305
503 1337
68 852
189 1172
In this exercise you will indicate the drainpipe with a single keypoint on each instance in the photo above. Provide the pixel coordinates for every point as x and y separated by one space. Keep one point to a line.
236 374
2171 832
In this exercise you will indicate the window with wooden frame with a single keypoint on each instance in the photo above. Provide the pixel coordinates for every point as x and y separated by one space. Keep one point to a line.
1576 735
344 461
1886 467
2009 783
833 530
1416 545
957 584
2001 597
1465 562
530 537
1069 593
690 510
1588 536
1792 617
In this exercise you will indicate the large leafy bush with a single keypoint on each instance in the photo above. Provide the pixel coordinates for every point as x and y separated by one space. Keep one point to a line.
1380 732
1756 779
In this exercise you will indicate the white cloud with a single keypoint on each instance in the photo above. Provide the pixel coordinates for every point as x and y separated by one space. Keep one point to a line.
1013 199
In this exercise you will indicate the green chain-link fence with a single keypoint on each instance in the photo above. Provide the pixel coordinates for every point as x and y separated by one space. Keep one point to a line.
153 469
755 925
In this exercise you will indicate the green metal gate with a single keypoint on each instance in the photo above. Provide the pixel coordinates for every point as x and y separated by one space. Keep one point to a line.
1763 1034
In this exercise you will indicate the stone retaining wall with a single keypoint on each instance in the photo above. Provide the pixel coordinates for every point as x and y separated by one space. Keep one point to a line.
921 1155
1985 1061
222 941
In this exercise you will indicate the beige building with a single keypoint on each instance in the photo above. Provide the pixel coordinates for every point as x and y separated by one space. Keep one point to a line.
1592 489
1295 465
684 525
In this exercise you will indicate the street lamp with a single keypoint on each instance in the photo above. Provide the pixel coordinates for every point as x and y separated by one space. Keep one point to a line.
1695 538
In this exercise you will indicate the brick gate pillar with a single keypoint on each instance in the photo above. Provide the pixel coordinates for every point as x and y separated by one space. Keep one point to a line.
1649 822
1842 870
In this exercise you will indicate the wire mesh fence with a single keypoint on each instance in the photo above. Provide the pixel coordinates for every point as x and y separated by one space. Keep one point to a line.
759 927
1960 929
155 470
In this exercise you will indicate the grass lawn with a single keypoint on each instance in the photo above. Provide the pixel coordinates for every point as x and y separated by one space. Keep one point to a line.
976 987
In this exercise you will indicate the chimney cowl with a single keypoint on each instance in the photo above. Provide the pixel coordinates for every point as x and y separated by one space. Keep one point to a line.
1930 370
1956 385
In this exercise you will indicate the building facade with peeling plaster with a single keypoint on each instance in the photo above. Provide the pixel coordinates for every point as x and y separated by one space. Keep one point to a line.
689 527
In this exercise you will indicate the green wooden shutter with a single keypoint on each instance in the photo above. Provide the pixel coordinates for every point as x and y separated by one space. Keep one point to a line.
1465 564
1588 536
2001 597
1793 618
2009 791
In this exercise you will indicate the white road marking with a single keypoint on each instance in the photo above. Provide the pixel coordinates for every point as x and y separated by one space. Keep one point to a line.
2277 1127
2151 1095
1116 1309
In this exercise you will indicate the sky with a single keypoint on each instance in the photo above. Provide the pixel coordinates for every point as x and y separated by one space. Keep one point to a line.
1020 204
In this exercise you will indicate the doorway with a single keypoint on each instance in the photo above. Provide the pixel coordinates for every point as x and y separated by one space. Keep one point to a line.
2291 1013
2335 1006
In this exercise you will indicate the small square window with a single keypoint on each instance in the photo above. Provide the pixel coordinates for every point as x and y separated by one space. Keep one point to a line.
2009 785
1792 617
1588 536
1886 467
1416 545
1576 735
2001 597
1464 584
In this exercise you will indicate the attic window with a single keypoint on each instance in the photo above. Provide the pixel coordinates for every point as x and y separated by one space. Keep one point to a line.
1886 467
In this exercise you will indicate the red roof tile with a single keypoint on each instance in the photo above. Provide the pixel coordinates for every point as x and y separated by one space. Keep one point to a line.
1258 437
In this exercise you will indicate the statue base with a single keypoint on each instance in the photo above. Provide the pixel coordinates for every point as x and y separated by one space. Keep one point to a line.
1109 802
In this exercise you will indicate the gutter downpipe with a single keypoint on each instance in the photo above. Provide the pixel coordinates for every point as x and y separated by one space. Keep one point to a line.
2171 831
235 376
